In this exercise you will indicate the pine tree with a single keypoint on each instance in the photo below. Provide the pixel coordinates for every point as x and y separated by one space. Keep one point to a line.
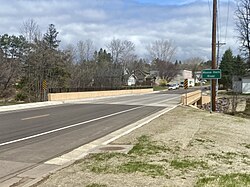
239 66
231 66
227 67
50 37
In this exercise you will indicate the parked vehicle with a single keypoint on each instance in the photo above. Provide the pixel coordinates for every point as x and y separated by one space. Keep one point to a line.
181 84
173 86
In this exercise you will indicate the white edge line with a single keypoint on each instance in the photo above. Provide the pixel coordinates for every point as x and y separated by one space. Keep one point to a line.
67 127
145 121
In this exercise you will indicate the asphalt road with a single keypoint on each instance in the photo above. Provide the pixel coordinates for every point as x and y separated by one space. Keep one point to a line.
29 137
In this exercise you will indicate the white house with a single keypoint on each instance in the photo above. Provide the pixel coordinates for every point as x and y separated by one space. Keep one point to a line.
182 75
241 84
132 80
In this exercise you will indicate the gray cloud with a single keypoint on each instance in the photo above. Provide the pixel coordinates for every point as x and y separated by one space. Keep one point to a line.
187 24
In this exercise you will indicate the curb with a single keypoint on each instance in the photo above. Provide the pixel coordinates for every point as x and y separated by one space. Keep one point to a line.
29 105
87 148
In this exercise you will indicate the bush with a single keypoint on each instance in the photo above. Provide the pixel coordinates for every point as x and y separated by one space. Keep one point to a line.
21 97
162 82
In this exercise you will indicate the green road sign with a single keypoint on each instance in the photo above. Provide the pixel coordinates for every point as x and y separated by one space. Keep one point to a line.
211 74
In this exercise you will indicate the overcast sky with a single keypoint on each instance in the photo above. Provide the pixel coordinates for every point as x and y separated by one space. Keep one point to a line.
186 22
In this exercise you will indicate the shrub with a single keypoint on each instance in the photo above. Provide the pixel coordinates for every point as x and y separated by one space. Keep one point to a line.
20 97
162 82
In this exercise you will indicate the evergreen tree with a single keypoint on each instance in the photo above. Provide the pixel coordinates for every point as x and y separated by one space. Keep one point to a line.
50 37
13 51
239 66
227 67
231 66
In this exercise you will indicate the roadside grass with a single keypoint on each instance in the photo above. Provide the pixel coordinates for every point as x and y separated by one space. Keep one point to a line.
10 103
228 157
137 160
187 164
200 141
99 157
145 146
246 145
159 88
230 180
204 140
96 185
144 167
141 159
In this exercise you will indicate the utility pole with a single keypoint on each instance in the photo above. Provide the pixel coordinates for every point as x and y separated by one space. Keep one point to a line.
213 84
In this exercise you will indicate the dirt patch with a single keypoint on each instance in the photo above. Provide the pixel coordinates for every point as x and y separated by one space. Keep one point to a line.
185 147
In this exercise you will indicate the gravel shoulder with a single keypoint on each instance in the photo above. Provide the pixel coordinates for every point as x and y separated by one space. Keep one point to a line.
184 147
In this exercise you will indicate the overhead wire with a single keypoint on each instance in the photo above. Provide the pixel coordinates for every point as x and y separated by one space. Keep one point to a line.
228 9
209 6
218 21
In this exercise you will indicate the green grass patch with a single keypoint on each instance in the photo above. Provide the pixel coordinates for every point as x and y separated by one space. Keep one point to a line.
200 140
96 185
229 180
148 169
247 146
145 146
185 164
10 103
159 88
102 162
226 157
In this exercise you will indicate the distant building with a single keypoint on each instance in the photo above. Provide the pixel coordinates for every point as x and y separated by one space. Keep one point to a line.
197 76
182 75
241 84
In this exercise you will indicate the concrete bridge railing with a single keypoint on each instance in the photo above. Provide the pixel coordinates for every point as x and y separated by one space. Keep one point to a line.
194 98
94 94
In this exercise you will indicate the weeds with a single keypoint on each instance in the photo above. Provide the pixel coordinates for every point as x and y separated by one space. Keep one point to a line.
184 164
246 145
96 185
149 169
233 180
147 147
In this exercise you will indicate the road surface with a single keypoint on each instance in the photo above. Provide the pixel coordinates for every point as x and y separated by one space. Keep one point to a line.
32 136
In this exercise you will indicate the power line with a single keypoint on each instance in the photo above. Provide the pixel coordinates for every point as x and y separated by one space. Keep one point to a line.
209 6
218 21
228 7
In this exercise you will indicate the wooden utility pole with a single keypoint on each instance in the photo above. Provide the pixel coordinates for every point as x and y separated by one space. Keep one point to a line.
213 84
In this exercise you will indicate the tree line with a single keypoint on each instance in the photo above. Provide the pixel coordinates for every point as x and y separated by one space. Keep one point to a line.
32 62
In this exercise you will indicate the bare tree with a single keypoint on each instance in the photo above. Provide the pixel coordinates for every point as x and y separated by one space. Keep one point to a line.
243 26
161 49
30 30
85 50
121 51
167 70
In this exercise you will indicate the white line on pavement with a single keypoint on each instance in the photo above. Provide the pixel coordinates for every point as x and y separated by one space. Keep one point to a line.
35 117
67 127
